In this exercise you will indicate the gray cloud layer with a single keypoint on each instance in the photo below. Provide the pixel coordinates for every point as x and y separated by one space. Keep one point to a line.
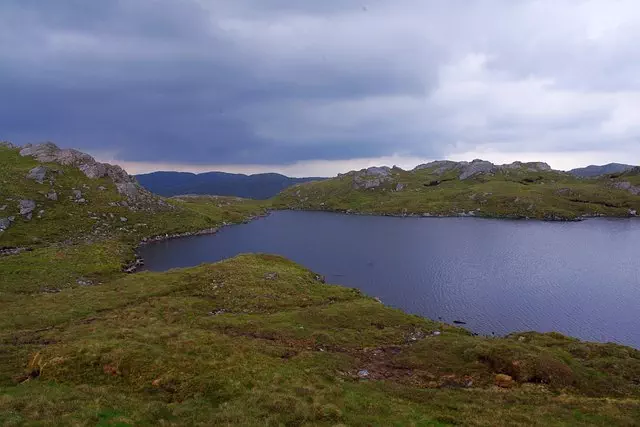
274 82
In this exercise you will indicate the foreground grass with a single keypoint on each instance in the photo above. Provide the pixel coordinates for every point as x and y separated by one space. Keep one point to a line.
234 343
517 193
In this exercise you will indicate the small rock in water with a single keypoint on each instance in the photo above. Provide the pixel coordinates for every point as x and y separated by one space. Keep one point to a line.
459 322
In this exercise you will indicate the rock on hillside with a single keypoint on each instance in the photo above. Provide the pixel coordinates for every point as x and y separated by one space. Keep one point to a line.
479 167
137 197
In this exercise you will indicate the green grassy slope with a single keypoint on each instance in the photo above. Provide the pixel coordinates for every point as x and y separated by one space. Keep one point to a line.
254 340
514 192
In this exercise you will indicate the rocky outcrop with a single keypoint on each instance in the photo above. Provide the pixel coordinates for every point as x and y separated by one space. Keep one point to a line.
479 167
51 153
441 166
627 186
476 167
136 197
372 177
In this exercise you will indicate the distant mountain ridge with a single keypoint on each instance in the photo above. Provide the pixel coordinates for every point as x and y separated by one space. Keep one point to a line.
598 170
258 186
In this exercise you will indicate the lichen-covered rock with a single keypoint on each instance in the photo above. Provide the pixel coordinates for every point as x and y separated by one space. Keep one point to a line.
38 174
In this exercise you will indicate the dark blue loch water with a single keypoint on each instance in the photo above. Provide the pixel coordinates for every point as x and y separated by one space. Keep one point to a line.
498 276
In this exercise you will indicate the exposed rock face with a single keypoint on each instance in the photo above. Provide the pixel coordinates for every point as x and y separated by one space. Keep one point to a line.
49 152
372 177
7 144
38 174
441 165
476 167
137 197
26 208
625 185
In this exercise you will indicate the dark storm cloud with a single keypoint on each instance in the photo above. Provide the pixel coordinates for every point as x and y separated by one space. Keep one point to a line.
248 81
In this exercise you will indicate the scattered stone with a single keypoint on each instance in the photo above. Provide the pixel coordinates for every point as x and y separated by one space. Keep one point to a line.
504 381
84 282
399 187
271 276
441 166
102 188
77 194
52 195
436 333
38 174
5 223
26 208
3 207
40 213
415 336
123 219
363 373
319 278
50 290
217 312
633 212
522 339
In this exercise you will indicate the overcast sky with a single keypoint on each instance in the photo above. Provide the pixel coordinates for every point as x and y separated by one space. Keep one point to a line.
321 87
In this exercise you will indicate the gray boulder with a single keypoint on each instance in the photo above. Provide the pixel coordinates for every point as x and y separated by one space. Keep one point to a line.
26 208
38 174
52 195
7 144
5 223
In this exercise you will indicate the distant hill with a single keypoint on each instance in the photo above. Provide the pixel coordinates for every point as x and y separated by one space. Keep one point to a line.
594 170
477 188
259 186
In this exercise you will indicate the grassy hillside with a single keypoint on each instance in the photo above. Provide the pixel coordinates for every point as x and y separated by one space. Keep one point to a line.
517 191
254 340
